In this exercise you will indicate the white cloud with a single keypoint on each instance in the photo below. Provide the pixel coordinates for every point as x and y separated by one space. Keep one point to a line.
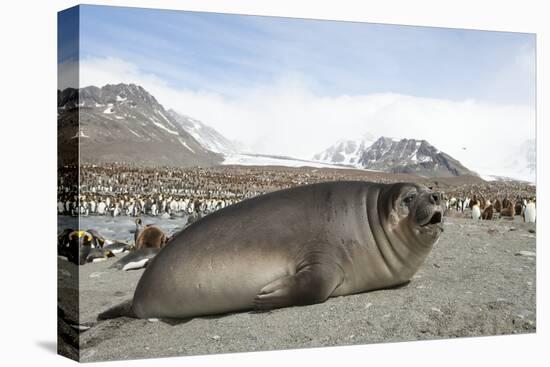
287 118
67 75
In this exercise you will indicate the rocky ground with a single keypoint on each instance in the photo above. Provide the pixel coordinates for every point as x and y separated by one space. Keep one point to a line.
478 280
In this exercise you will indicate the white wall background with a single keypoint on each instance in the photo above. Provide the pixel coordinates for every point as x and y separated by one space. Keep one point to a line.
28 151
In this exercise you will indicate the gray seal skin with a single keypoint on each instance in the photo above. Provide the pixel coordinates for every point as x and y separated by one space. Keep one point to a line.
292 247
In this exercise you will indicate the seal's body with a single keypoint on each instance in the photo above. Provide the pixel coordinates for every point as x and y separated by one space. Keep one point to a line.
292 247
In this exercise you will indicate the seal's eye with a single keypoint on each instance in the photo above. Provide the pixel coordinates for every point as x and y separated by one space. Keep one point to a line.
409 198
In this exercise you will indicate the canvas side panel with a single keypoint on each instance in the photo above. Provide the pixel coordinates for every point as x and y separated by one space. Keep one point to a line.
67 183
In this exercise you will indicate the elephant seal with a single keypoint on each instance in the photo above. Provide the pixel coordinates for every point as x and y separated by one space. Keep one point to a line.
291 247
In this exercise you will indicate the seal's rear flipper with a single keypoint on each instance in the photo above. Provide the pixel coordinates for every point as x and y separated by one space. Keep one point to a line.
123 309
312 284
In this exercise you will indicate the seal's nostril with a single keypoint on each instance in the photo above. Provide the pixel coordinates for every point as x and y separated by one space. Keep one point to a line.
436 197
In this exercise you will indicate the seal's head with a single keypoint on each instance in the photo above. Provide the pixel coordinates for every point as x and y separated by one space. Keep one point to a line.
418 209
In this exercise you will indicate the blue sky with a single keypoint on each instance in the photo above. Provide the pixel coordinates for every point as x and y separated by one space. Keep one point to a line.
227 54
295 86
67 35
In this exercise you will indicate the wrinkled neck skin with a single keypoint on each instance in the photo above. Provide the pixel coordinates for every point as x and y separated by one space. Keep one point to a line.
409 242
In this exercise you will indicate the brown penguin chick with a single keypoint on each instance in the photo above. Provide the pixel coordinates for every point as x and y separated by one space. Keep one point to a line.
151 237
518 208
488 213
498 205
482 203
505 202
508 211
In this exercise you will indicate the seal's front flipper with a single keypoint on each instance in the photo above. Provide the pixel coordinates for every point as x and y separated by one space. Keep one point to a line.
123 309
311 284
279 293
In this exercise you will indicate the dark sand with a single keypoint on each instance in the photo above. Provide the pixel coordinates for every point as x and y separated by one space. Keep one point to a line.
473 283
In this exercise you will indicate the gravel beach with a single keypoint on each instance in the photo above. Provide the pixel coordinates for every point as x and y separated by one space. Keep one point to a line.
478 280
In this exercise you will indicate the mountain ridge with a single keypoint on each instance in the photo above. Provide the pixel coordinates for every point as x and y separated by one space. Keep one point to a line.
125 123
413 156
206 135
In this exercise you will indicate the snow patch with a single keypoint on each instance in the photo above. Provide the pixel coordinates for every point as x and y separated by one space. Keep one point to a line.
206 136
109 110
133 132
259 160
164 117
347 152
185 145
165 128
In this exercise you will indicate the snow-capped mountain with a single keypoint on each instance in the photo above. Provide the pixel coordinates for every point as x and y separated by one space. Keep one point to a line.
207 136
346 152
400 156
125 123
67 127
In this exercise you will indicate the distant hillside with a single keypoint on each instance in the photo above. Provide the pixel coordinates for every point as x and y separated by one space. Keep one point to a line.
347 152
124 123
396 156
207 136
